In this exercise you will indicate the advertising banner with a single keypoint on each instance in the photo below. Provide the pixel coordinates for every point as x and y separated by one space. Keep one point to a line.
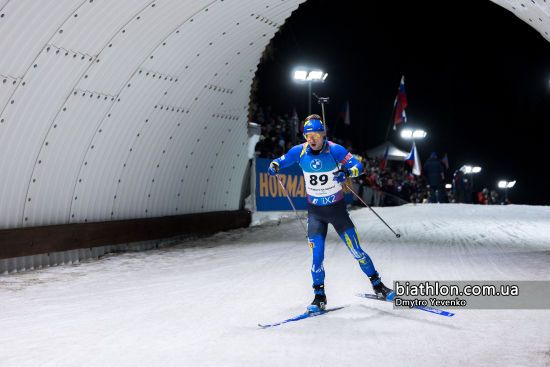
270 194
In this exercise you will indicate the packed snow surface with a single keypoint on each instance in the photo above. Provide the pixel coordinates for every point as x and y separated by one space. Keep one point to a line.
199 303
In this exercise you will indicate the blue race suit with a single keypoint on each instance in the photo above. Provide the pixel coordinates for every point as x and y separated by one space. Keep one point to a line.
326 201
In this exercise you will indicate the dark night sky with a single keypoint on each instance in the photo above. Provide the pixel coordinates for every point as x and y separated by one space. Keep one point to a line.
477 79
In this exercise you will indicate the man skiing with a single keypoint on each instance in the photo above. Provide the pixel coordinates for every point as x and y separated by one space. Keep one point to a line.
326 166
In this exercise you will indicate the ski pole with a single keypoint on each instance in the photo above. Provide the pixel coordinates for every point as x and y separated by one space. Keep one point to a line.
368 206
291 203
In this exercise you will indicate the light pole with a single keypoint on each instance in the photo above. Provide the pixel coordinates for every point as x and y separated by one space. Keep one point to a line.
309 76
506 185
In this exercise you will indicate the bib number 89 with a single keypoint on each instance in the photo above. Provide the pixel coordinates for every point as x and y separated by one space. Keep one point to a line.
314 180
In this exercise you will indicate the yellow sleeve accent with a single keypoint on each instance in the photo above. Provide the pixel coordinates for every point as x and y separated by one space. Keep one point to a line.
304 147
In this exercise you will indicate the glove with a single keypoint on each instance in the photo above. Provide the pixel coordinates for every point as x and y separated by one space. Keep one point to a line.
354 171
273 168
341 175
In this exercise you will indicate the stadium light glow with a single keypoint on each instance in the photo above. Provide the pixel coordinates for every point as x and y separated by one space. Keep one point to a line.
506 184
315 75
467 169
300 75
413 134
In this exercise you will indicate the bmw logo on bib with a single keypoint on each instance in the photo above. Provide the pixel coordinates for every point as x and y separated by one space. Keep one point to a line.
316 164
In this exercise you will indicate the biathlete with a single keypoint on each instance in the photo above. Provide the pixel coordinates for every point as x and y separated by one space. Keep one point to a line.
326 166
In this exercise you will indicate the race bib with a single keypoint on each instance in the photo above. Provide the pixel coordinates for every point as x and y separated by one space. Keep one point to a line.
321 184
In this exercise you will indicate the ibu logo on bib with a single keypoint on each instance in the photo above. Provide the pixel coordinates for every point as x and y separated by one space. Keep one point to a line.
316 164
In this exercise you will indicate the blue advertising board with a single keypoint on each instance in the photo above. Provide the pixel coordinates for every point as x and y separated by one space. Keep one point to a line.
270 194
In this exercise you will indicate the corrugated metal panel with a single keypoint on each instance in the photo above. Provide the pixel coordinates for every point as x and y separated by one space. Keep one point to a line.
114 143
536 13
52 184
135 42
28 117
26 27
207 53
144 162
90 28
223 192
134 91
8 85
219 169
131 192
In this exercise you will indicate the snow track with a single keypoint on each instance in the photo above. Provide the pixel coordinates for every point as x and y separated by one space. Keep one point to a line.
198 304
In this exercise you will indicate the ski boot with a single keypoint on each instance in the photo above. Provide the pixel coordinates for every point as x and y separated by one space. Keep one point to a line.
380 289
320 301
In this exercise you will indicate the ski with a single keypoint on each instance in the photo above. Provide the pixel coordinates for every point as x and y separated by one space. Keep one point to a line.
423 308
305 315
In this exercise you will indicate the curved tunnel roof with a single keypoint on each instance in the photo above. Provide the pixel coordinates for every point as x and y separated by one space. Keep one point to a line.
536 13
132 108
128 108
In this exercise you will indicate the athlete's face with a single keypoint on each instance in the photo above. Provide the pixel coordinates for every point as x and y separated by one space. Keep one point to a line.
315 140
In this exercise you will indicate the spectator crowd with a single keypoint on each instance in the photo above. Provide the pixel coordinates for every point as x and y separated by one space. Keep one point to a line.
384 183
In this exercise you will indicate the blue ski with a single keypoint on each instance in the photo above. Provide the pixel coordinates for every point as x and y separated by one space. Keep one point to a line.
423 308
305 315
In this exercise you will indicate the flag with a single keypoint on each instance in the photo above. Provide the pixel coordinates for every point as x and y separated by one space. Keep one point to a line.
344 114
399 115
414 160
384 160
445 161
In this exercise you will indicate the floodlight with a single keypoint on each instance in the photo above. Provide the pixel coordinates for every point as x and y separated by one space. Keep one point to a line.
300 75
